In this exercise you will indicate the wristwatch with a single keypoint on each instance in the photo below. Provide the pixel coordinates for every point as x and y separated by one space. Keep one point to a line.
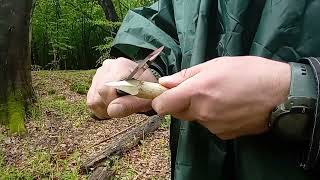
293 118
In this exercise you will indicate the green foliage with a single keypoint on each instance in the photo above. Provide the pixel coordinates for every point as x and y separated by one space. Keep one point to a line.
73 34
65 32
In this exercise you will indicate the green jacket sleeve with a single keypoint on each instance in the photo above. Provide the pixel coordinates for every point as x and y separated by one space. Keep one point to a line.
145 29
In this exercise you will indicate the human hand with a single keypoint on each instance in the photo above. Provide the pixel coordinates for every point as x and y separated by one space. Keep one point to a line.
104 102
231 96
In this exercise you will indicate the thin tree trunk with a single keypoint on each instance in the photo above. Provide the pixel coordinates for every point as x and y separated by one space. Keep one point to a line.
15 62
109 10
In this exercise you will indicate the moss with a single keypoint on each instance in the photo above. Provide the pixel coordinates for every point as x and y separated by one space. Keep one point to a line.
79 87
16 112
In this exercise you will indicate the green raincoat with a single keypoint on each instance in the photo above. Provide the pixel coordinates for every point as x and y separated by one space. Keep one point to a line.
194 31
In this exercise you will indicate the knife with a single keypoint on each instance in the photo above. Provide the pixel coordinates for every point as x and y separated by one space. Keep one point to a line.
131 85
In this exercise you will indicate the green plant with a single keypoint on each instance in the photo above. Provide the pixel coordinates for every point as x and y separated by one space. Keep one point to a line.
75 34
166 122
79 87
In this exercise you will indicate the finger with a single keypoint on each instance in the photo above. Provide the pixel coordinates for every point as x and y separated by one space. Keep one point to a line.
177 78
107 94
97 106
185 115
173 101
228 135
127 105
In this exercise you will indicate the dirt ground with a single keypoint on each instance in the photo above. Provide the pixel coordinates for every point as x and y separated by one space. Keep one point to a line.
61 136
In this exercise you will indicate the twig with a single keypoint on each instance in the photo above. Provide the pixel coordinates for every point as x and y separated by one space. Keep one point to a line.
123 144
121 132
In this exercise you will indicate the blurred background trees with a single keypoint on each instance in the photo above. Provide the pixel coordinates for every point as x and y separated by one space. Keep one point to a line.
73 34
66 34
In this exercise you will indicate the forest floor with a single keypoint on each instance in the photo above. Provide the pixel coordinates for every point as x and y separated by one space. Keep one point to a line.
61 135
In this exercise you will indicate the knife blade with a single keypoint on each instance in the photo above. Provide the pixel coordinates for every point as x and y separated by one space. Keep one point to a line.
144 64
140 69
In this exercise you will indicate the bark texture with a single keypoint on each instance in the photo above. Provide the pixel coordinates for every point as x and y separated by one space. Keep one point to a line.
15 62
109 10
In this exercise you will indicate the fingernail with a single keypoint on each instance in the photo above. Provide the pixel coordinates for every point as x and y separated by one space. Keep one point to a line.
115 110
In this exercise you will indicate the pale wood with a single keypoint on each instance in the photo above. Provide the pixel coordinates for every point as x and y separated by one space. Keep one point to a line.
142 89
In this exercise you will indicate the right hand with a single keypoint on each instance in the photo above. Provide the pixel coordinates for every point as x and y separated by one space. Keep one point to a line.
103 101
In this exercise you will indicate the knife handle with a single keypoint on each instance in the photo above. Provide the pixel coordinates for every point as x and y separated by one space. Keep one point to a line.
141 89
150 90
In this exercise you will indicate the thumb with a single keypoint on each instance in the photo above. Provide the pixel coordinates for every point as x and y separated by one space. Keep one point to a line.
177 78
127 105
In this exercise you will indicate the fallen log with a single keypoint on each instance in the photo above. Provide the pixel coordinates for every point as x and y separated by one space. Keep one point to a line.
123 144
102 173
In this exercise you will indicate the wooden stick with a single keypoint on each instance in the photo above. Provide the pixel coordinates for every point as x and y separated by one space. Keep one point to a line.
142 89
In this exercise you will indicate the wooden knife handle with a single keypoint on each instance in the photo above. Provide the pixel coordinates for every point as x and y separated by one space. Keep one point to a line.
150 90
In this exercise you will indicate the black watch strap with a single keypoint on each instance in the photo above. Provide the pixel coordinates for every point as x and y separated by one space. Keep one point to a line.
291 119
311 155
303 83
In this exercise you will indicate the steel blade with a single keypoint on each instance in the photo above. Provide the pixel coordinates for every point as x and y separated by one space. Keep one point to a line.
144 64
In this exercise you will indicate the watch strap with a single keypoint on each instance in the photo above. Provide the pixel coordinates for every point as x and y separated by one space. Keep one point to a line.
303 82
311 155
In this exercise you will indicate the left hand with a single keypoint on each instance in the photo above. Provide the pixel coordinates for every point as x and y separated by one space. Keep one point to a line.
231 96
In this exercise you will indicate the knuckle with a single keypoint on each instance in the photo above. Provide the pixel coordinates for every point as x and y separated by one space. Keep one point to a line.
106 62
122 60
100 71
205 110
203 115
106 92
92 104
185 73
102 91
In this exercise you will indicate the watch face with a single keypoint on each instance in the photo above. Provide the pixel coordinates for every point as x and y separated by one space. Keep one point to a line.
293 125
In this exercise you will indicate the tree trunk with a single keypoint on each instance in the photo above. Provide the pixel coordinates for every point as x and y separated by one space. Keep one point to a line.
109 10
15 62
